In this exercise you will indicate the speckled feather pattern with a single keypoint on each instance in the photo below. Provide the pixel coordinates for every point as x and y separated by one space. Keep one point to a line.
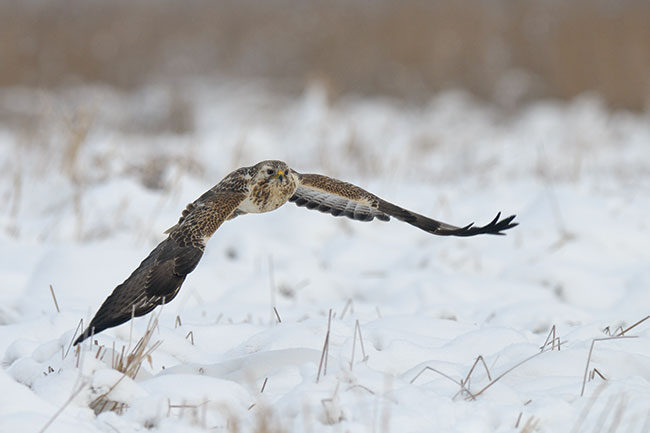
260 188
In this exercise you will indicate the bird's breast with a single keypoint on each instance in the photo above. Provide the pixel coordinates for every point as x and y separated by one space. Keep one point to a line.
267 197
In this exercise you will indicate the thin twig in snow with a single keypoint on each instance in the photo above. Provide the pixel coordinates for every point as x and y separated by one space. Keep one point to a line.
324 353
349 305
435 371
591 349
56 304
357 329
80 325
633 326
508 371
518 419
365 388
551 338
471 370
266 379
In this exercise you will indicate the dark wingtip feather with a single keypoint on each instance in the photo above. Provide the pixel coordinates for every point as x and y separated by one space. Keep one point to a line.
88 332
495 227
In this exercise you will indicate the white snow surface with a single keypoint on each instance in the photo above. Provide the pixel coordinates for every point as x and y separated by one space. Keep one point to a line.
81 207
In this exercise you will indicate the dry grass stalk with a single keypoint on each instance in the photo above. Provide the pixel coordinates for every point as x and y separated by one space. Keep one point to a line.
595 372
460 383
266 379
551 338
518 419
329 401
190 335
471 370
591 349
608 331
131 324
623 331
520 363
194 408
349 304
365 388
56 304
530 426
79 327
464 383
357 330
129 365
325 352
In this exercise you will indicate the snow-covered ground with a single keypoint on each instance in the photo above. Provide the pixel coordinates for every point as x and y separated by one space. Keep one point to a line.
85 199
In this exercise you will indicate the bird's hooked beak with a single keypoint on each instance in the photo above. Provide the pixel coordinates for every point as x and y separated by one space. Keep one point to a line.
281 175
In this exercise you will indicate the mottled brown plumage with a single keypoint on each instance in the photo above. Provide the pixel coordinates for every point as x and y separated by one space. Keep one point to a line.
260 188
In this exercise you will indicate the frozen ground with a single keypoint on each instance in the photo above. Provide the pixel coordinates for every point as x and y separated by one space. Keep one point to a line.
85 198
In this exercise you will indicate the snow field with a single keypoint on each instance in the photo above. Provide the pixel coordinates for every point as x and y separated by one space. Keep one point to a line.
81 214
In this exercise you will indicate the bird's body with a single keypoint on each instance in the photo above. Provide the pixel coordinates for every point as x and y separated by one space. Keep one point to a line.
260 188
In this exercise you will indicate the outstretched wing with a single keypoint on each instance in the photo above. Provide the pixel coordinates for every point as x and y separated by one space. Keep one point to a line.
340 198
159 277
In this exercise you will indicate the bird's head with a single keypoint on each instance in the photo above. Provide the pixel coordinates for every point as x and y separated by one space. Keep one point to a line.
272 171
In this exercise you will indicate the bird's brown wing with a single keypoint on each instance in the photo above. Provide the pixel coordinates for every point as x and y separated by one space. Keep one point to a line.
159 277
339 198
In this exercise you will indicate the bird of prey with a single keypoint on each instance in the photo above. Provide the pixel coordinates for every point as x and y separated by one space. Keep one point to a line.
260 188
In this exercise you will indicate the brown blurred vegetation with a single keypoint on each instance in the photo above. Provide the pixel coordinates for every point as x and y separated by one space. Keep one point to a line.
504 51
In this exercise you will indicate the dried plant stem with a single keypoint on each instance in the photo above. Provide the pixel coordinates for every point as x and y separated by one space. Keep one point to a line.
348 305
266 379
56 304
79 327
591 350
128 364
623 331
551 338
520 363
325 352
471 370
357 330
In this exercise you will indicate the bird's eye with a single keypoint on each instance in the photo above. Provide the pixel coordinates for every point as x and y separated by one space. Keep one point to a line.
269 172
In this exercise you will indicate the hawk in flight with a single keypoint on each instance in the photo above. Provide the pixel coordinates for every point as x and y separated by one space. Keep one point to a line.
260 188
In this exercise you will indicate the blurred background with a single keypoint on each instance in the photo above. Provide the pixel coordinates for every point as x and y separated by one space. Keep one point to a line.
91 90
505 52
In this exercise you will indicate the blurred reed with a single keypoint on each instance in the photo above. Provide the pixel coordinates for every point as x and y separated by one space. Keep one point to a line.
504 51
